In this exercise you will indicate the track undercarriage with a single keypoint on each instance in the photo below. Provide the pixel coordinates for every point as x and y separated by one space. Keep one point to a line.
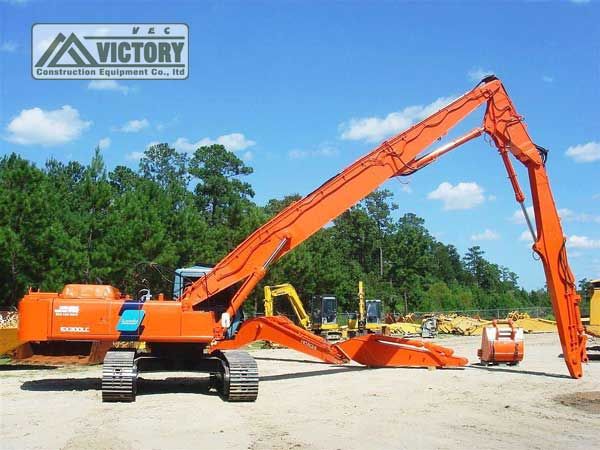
233 374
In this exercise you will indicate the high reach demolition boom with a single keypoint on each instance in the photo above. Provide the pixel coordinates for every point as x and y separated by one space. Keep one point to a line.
399 156
204 313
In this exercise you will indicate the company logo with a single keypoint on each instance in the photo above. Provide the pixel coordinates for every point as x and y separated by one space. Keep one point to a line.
109 51
308 344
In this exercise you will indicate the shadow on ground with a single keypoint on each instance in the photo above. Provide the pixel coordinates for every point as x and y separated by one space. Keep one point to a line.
7 367
302 361
517 371
187 385
312 373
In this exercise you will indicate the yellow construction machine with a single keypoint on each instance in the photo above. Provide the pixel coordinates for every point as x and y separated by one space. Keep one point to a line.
369 319
593 327
323 318
287 290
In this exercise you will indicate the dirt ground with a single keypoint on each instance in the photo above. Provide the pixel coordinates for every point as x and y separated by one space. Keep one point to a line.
307 404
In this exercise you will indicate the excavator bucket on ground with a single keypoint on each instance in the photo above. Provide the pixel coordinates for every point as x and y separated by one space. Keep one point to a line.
372 350
501 345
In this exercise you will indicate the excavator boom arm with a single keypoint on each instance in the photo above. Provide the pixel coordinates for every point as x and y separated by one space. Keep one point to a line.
296 223
245 266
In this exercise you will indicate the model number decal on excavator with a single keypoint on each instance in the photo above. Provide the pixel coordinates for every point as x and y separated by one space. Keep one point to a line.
74 329
308 344
67 311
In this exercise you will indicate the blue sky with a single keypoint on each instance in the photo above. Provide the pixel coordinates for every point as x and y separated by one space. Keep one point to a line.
288 86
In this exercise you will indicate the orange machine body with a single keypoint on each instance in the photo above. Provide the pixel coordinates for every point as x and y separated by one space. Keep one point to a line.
502 344
92 312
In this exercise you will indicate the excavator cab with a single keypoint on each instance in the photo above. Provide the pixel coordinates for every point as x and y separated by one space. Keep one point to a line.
186 276
374 311
323 309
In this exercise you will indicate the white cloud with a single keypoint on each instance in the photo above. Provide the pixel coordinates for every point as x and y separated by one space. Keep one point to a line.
184 145
323 151
232 142
47 128
462 196
104 143
486 235
584 153
108 85
134 156
571 216
575 241
565 214
479 73
134 126
373 129
547 79
519 218
491 198
9 47
248 156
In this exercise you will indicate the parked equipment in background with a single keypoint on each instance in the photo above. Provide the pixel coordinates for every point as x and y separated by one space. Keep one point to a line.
501 344
369 319
429 327
323 318
593 327
288 291
323 312
202 327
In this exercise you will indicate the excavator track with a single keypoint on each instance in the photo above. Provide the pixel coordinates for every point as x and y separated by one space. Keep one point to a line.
240 377
119 376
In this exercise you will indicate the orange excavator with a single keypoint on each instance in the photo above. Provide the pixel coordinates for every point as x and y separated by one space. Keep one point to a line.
202 328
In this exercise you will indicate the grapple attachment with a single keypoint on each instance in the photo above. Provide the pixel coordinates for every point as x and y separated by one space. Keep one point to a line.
375 350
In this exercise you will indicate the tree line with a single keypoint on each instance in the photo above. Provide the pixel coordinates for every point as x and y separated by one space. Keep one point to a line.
73 223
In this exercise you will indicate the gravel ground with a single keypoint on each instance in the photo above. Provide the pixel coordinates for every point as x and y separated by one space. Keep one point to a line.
307 404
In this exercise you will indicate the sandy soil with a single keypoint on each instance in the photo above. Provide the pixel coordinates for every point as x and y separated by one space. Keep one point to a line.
306 404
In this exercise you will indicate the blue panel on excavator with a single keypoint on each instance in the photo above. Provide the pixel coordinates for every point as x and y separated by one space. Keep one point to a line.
130 320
